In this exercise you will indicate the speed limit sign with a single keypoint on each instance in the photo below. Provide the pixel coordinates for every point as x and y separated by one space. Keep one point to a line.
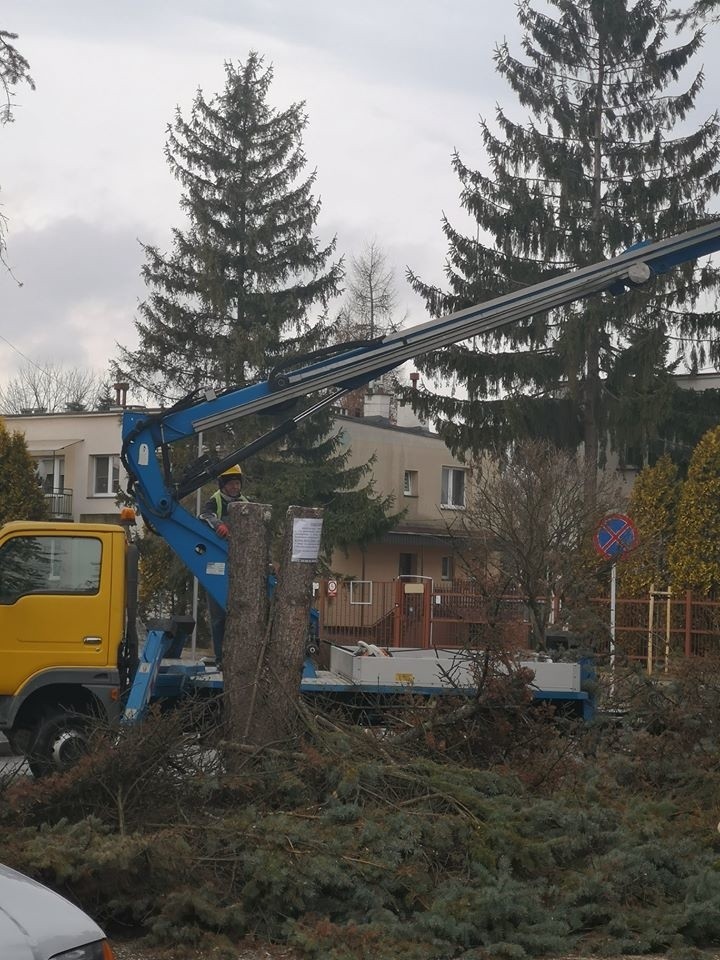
332 588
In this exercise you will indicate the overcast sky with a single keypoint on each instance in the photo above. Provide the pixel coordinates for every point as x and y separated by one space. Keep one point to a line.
391 88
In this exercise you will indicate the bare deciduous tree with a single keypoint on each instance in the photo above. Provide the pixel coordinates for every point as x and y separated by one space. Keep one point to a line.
370 304
529 525
51 389
370 300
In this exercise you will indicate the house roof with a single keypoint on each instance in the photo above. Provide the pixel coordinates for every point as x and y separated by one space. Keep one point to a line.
384 423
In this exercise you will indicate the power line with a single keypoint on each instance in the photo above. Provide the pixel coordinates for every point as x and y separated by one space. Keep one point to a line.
19 352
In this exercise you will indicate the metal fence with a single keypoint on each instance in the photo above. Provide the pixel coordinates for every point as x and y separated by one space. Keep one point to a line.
415 612
59 504
664 627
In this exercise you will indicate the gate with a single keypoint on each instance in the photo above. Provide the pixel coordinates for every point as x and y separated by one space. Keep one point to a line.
388 613
412 623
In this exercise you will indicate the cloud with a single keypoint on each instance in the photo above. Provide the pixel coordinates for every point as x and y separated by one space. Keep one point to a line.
84 173
391 88
80 284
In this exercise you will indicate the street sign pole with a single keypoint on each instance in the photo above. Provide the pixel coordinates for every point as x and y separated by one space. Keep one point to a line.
613 600
614 538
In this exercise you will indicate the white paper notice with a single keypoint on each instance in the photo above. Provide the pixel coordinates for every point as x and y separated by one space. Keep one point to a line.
306 539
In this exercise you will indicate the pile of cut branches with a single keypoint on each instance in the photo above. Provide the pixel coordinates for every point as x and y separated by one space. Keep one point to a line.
479 830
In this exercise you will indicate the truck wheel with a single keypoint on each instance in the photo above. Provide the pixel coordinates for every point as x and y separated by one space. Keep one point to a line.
19 740
60 741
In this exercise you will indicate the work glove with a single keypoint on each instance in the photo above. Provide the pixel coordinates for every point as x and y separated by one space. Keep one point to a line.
222 531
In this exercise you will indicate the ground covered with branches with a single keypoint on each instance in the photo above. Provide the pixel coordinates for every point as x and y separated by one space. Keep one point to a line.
493 831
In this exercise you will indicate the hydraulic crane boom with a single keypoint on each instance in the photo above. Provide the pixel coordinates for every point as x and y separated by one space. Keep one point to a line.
340 369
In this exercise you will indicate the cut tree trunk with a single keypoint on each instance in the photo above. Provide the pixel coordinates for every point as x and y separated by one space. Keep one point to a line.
247 609
262 678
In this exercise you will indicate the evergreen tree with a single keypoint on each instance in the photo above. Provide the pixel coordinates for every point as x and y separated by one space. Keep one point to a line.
708 10
165 588
653 507
105 399
694 554
235 294
20 495
596 167
232 297
14 70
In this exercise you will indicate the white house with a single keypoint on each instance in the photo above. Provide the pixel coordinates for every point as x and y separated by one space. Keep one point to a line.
78 462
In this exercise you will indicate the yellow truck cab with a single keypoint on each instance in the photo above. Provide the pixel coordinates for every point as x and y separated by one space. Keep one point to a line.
63 621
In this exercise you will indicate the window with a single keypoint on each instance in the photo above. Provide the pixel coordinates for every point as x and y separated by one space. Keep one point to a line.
452 492
51 474
49 565
631 458
106 476
410 483
447 568
407 566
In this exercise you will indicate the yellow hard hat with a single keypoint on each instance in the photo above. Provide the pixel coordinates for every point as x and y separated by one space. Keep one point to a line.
234 471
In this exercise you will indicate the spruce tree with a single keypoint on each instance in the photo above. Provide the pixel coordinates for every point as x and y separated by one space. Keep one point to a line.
14 70
237 292
20 495
233 296
597 166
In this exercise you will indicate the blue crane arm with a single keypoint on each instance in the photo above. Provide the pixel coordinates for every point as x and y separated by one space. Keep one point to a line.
344 368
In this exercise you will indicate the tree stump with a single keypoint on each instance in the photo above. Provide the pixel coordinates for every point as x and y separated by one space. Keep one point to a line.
246 628
264 659
291 624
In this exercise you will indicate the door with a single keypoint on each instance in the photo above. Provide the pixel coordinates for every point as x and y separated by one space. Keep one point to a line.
55 603
412 608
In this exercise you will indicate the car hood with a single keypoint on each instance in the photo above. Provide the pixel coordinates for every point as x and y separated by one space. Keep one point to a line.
36 922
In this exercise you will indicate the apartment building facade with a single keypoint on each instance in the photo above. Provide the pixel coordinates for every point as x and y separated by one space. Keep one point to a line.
428 484
79 469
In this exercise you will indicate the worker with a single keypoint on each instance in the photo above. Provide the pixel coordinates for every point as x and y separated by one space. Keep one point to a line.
215 514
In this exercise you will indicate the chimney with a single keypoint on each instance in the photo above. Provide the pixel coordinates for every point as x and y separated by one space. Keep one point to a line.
414 377
121 390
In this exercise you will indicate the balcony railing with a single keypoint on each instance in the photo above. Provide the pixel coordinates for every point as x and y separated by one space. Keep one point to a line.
59 504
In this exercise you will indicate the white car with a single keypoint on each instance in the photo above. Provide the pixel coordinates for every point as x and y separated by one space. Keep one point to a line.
38 924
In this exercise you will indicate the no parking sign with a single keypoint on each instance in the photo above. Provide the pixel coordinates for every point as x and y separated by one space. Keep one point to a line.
332 588
615 536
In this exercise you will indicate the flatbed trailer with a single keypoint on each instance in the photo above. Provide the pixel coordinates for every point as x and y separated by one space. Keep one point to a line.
372 682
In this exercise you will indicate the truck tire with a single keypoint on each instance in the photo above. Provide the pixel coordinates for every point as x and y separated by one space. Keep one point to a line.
61 738
19 740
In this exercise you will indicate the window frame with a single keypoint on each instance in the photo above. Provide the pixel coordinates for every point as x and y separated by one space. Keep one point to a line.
410 483
447 568
113 466
447 488
50 471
